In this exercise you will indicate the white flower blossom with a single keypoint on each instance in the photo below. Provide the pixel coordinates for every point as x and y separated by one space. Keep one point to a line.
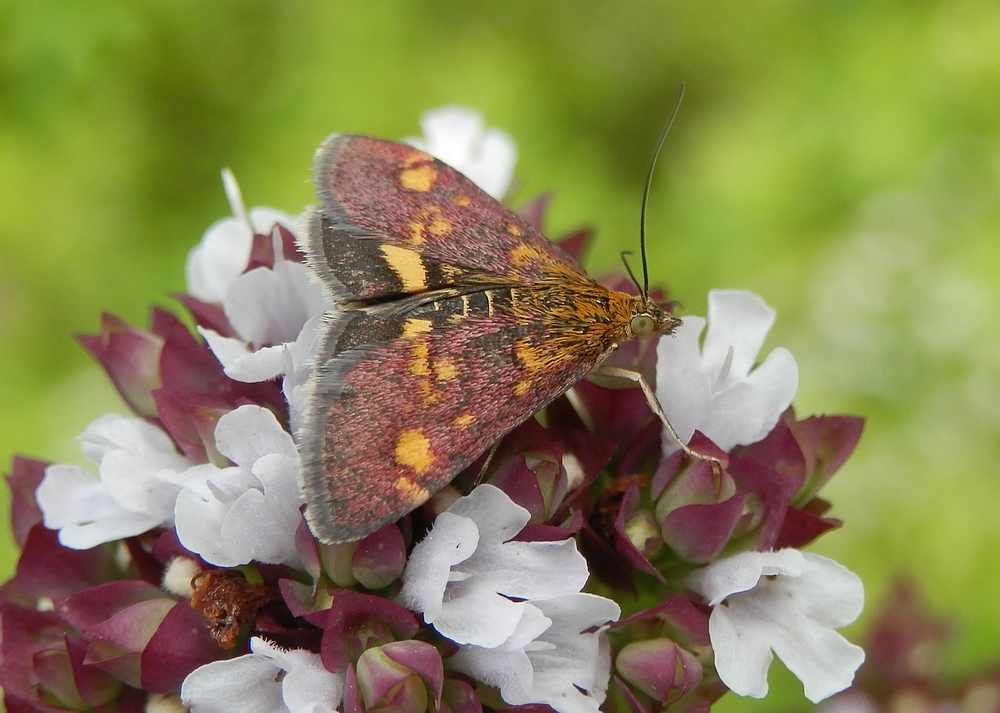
276 313
140 476
786 601
459 137
224 251
465 575
269 680
717 391
250 511
564 665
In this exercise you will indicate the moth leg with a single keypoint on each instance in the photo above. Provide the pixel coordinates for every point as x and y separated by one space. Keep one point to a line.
635 376
486 463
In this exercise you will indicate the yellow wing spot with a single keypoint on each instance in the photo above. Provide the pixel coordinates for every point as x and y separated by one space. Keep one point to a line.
445 368
414 327
414 450
440 226
533 358
465 305
461 201
525 254
521 387
489 302
411 492
428 394
416 233
407 265
418 179
463 422
419 366
514 230
416 157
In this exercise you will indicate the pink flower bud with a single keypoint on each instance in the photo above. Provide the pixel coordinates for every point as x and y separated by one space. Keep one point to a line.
659 668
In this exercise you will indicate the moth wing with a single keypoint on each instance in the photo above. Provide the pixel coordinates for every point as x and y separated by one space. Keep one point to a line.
401 404
393 221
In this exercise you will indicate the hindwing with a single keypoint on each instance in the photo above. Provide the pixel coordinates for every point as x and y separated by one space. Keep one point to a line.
408 394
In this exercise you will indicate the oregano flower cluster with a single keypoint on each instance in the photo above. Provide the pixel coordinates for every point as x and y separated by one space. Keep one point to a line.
586 563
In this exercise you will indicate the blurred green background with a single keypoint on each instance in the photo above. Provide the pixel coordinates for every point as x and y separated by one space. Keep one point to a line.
840 158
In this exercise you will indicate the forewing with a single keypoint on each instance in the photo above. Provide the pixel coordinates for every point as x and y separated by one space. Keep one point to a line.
393 221
407 398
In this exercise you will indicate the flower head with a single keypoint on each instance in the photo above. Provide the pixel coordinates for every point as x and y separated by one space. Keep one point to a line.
561 658
225 248
717 391
250 511
140 475
267 680
472 583
786 601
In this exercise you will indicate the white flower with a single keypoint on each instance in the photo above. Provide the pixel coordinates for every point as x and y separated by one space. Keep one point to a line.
270 680
250 511
140 476
564 665
298 357
270 309
274 311
224 251
716 392
465 575
458 137
786 601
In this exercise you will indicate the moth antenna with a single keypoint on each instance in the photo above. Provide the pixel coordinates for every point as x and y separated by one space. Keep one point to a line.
628 269
645 195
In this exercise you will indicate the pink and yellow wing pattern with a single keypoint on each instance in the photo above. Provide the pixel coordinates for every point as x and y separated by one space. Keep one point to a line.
455 325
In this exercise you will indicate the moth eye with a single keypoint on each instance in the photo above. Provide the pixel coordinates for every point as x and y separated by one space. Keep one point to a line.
642 324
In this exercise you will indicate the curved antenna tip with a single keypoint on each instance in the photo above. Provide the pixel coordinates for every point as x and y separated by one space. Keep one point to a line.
645 193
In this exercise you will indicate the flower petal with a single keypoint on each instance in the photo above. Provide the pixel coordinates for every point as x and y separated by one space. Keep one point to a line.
252 432
496 516
265 681
739 320
742 572
240 362
214 264
268 307
453 539
776 380
681 349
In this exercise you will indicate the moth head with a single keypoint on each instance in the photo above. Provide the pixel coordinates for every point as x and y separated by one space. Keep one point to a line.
649 318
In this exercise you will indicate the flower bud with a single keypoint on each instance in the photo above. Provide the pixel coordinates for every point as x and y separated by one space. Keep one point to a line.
535 479
400 677
379 558
459 697
643 532
336 561
659 668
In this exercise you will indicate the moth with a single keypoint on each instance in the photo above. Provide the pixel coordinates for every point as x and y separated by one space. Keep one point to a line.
455 321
